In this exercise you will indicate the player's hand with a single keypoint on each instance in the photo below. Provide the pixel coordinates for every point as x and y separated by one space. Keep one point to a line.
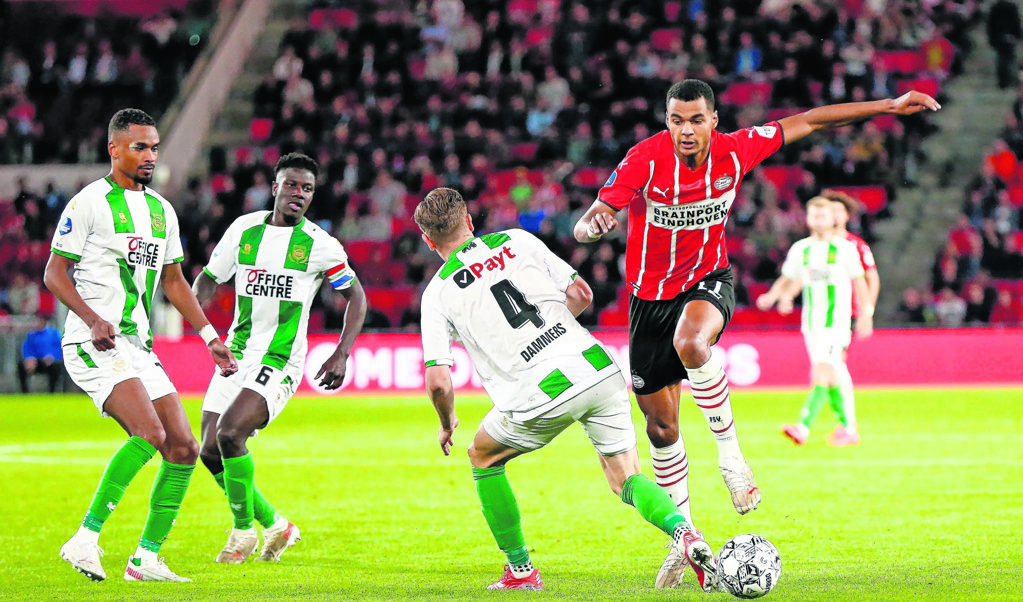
444 436
333 370
785 306
914 102
864 327
103 335
764 302
222 355
601 224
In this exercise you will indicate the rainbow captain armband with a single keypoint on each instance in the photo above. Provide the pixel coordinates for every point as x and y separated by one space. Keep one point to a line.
340 276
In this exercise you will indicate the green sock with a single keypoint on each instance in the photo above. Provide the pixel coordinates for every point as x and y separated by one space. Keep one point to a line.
239 481
502 512
121 469
266 515
169 490
812 406
838 404
652 502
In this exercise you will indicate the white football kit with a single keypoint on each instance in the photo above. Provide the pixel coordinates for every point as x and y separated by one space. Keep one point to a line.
502 296
277 272
120 240
826 268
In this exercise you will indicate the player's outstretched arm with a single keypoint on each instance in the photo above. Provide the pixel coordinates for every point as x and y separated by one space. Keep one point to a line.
181 297
578 296
598 220
332 372
56 279
767 300
442 395
830 116
865 319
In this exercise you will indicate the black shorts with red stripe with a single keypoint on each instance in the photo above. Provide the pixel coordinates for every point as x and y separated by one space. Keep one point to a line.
652 356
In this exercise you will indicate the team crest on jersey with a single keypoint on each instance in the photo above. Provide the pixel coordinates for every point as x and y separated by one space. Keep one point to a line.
247 248
298 254
158 224
723 182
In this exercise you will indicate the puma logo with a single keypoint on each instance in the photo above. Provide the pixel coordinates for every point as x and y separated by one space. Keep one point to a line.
659 191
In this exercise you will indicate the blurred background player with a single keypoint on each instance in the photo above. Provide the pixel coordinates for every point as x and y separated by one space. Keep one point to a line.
121 238
826 268
41 354
512 303
846 207
679 186
278 260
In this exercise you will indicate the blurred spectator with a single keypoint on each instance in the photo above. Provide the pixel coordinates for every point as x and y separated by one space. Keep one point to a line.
1007 310
1004 31
22 295
949 309
911 309
978 308
41 354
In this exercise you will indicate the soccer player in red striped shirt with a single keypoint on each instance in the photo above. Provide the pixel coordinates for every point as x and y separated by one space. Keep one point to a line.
845 207
678 186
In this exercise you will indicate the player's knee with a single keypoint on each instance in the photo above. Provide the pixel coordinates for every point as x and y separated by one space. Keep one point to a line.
661 433
231 441
692 349
209 453
153 435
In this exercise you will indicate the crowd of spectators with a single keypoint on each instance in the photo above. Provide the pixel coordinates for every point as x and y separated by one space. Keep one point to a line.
977 274
526 106
63 75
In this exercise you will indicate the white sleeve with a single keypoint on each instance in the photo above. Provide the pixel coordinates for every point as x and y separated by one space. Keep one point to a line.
174 254
557 268
224 260
793 266
76 222
851 261
339 272
436 332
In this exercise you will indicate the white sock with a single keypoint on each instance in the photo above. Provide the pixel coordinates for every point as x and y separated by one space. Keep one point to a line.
144 554
845 384
710 392
87 535
671 471
523 570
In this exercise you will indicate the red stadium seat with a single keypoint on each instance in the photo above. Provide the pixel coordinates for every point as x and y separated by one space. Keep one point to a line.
591 177
743 93
271 155
782 112
671 10
613 317
873 198
927 85
539 35
1015 192
315 321
242 154
885 123
260 129
939 54
360 251
390 301
907 62
522 10
524 152
333 18
219 183
661 39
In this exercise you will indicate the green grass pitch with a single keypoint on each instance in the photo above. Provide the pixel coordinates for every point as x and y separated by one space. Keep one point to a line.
928 507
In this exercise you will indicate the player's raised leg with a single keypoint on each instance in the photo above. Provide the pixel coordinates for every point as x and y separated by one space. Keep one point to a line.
698 328
179 451
501 511
145 433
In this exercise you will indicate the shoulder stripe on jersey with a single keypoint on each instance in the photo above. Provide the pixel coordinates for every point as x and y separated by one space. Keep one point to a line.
707 193
289 314
673 253
119 211
495 239
248 244
646 231
453 263
299 248
157 217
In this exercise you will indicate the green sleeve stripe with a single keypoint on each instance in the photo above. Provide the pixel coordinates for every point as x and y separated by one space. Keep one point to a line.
66 254
178 259
210 274
85 357
431 363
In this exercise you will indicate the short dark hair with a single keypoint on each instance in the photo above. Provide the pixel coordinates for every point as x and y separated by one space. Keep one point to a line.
125 118
691 89
852 206
299 161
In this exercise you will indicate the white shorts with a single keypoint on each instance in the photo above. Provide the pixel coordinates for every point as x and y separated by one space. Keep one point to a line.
827 346
603 410
98 372
274 385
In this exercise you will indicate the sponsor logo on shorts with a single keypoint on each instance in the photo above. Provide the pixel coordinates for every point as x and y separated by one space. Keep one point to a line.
637 381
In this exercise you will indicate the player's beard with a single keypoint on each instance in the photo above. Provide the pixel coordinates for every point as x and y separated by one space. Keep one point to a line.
141 178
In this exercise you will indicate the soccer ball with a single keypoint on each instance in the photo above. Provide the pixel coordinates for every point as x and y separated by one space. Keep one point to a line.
749 566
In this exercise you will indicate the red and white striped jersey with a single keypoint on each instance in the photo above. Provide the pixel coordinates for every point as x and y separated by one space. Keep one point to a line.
677 215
